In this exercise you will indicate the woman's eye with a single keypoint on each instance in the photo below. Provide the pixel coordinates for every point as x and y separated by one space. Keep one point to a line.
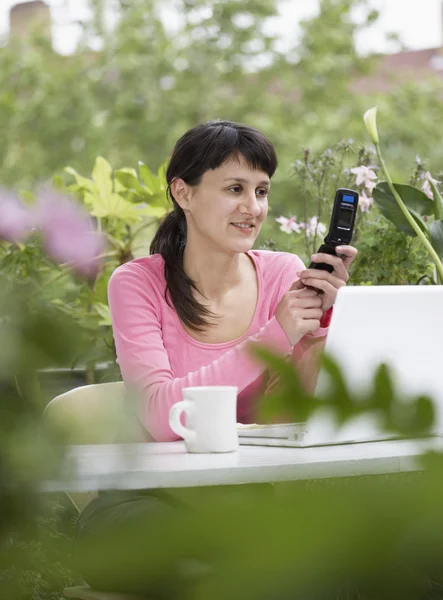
261 192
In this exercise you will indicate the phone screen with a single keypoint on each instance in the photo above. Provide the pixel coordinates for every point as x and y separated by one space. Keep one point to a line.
345 218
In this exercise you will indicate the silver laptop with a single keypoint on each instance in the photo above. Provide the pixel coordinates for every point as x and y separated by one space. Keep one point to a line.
401 326
398 325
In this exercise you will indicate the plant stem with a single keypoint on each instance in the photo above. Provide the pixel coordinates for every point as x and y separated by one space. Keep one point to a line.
409 217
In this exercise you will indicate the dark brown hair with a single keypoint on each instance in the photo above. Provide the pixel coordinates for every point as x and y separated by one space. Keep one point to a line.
206 146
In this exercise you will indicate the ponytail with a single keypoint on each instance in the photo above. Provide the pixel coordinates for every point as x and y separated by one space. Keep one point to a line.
170 242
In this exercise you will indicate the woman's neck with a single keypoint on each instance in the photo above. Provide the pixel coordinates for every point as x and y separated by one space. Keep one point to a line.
214 273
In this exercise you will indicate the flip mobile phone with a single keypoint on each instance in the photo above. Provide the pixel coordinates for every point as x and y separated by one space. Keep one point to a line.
341 226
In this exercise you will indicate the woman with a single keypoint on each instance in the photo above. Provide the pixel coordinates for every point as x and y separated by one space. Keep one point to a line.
188 314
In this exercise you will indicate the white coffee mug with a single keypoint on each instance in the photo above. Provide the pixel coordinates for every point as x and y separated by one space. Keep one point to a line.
211 418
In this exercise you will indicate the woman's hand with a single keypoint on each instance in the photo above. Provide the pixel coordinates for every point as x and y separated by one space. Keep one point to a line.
299 312
328 283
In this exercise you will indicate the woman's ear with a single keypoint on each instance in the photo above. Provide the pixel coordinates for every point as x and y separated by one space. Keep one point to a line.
181 193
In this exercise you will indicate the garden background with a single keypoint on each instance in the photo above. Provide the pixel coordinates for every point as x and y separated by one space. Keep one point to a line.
99 125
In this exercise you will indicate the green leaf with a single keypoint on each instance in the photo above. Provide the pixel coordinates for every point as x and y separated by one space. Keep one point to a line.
383 388
425 414
148 178
102 176
83 183
415 200
103 311
128 178
143 195
115 206
58 183
436 232
161 175
338 393
152 211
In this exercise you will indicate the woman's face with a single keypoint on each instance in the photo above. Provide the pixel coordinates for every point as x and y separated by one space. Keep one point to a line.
228 207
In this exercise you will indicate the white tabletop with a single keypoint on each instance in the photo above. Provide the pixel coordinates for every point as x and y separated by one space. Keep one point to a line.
158 465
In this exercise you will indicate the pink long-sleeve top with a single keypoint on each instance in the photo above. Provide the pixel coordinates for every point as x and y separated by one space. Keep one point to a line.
158 358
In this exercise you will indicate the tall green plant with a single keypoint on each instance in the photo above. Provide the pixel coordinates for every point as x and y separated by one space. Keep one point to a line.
128 207
405 205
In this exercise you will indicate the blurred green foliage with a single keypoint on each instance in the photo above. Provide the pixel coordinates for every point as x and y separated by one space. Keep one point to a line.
363 537
129 102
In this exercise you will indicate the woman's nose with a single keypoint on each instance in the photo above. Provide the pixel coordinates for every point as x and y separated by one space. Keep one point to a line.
251 205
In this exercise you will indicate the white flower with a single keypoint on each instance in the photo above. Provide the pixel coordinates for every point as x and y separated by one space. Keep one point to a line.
365 202
313 226
370 119
289 225
365 176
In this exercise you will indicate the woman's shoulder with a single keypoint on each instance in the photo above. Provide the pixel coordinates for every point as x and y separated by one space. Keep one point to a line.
149 269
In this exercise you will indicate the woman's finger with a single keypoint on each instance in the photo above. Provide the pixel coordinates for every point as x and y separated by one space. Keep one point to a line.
334 261
347 253
329 290
319 275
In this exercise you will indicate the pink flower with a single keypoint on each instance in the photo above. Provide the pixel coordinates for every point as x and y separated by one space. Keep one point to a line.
426 187
68 233
289 225
365 202
365 176
15 219
314 227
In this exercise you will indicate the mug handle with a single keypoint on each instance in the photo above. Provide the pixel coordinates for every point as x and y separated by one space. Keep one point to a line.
174 420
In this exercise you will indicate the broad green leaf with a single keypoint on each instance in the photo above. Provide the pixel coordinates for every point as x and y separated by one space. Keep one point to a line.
102 176
152 211
141 195
415 200
128 178
436 232
162 200
161 175
115 206
89 198
119 188
82 182
148 178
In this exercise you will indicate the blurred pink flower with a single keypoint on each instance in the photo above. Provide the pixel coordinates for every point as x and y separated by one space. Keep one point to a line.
69 235
15 219
426 187
365 176
365 202
289 225
313 226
